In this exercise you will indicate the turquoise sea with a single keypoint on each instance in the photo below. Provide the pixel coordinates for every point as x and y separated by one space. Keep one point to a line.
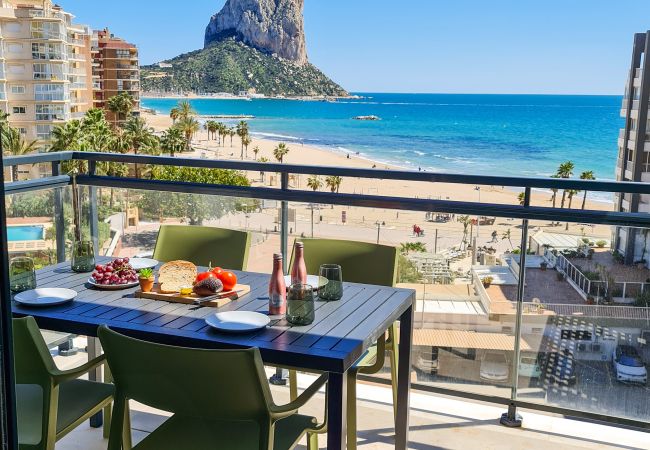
527 135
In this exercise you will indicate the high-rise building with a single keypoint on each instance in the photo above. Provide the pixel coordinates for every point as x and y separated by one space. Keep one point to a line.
634 151
45 70
116 68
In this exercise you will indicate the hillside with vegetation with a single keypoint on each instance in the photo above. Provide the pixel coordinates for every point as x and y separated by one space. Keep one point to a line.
232 66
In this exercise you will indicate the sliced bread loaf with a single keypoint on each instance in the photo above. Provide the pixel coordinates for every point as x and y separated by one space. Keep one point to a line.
174 275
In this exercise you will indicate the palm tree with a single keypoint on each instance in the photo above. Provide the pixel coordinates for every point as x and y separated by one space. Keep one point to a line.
174 114
280 151
172 141
121 106
314 182
189 126
256 150
222 130
466 221
212 127
570 194
246 140
66 136
521 197
15 145
231 133
507 235
586 175
263 160
140 137
565 171
185 110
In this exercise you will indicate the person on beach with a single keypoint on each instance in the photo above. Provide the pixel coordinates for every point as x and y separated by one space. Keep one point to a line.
494 236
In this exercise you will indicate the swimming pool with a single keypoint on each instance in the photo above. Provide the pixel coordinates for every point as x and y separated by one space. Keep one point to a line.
25 233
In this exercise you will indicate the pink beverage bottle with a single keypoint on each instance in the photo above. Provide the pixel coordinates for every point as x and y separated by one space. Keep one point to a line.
277 288
299 269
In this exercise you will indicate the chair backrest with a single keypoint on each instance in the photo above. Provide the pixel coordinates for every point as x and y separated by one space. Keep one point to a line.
211 384
361 262
32 359
203 245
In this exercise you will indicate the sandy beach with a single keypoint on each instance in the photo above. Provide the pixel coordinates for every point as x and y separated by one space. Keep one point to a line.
395 227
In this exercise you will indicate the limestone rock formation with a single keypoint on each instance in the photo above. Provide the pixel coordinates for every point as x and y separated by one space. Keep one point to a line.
271 26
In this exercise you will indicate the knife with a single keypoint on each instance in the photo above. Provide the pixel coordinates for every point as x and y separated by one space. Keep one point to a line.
200 301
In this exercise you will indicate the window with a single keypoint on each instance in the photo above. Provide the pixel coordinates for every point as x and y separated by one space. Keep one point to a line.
15 48
50 112
43 71
16 68
46 30
630 155
44 132
122 53
19 109
18 89
49 92
47 51
22 131
12 27
576 335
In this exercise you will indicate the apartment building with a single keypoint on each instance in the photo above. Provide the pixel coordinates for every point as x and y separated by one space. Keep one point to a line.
45 70
634 152
115 69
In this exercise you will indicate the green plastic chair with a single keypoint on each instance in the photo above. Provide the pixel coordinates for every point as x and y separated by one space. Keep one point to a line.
367 263
219 398
203 246
51 402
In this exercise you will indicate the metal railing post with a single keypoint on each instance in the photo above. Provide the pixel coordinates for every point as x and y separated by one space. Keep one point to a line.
59 216
511 418
280 376
8 409
92 209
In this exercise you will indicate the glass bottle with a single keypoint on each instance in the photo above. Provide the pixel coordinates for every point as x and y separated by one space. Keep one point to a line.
277 288
83 256
299 269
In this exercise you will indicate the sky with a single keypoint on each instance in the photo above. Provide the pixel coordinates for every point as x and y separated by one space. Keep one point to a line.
441 46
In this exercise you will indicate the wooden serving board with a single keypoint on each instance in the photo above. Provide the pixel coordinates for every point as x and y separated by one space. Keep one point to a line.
222 299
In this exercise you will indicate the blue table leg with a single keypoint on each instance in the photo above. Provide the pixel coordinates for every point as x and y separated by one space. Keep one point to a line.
337 411
404 379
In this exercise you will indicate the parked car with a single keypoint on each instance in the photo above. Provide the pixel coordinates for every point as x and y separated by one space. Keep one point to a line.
561 368
628 365
529 365
494 366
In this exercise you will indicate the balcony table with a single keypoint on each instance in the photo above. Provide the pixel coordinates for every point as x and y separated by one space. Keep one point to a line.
341 333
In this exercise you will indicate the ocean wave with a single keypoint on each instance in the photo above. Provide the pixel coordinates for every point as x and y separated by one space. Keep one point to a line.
277 136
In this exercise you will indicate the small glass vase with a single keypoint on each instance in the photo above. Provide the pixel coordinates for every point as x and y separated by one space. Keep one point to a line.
83 257
22 274
330 282
300 304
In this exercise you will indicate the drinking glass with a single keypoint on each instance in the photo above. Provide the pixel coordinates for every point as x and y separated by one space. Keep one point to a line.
22 274
83 256
330 282
300 304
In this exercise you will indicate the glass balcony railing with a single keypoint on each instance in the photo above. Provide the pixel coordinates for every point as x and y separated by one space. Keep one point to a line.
516 300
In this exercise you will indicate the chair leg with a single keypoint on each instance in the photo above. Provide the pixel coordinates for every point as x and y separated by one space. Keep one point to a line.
312 441
352 410
108 409
393 353
293 384
126 438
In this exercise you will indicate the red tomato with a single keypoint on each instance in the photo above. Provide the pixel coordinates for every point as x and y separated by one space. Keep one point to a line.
217 271
228 279
203 275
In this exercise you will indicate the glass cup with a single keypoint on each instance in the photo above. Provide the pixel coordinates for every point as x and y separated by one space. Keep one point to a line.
22 275
330 282
300 304
83 256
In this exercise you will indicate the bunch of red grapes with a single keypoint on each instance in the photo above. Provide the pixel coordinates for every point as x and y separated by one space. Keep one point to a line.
118 271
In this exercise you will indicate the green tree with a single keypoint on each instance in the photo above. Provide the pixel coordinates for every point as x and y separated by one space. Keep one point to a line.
246 141
231 133
314 182
15 145
586 175
172 141
507 235
185 110
121 106
280 151
174 114
263 159
189 126
333 182
521 197
140 137
565 171
256 150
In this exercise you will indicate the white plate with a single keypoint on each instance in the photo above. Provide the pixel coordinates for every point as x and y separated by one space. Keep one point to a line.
142 263
312 280
45 296
112 287
238 321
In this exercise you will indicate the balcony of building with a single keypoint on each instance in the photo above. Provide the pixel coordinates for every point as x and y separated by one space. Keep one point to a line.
462 321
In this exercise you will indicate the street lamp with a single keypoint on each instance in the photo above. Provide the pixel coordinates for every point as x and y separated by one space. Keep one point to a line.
379 225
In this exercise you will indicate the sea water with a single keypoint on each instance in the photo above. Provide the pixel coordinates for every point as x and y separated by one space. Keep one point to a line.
524 135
